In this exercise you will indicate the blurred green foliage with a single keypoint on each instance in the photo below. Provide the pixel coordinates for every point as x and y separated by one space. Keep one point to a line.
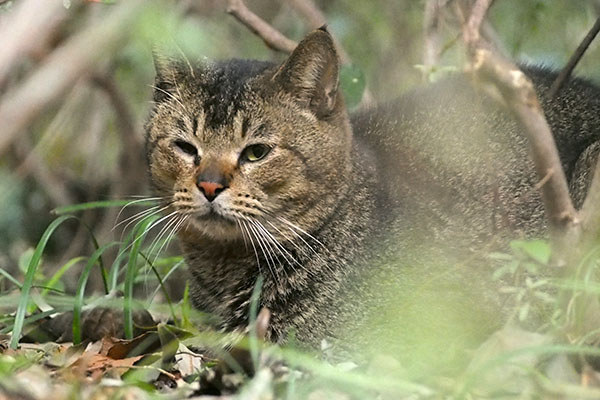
73 152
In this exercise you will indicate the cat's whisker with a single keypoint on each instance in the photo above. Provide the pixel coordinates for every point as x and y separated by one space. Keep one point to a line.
154 242
180 220
170 95
140 200
172 222
267 240
134 216
311 248
289 258
299 248
266 253
260 244
243 222
148 229
143 196
141 215
242 231
296 227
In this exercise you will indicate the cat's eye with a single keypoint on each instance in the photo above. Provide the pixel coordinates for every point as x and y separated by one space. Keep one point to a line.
255 152
186 147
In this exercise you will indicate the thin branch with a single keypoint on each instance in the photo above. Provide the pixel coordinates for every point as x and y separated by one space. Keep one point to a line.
28 31
77 58
130 175
579 52
271 36
51 183
279 42
590 211
126 121
316 19
431 26
471 32
519 96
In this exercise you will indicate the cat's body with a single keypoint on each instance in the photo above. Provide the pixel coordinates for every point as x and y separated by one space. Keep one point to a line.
269 176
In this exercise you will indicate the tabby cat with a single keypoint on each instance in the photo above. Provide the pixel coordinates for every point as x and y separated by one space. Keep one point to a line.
370 229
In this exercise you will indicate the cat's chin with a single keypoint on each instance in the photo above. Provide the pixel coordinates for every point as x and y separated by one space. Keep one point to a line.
216 227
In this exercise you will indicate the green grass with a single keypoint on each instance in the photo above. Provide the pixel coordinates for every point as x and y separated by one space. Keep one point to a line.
139 264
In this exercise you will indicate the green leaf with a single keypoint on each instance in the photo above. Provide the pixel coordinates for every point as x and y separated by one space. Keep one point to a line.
81 290
500 256
31 270
538 250
524 312
25 259
100 204
141 230
169 343
254 303
353 83
54 280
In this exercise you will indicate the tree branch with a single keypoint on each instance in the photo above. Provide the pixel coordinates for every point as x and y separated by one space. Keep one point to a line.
271 36
579 52
279 42
520 98
77 58
431 33
316 19
28 31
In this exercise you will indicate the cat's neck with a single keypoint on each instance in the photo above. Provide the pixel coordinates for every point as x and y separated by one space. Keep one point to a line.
297 272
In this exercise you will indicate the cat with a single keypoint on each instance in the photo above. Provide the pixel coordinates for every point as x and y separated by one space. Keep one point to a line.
370 228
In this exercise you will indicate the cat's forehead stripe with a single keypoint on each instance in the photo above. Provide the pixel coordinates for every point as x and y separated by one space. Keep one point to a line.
199 123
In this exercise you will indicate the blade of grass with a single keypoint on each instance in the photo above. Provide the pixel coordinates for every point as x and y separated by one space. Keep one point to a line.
35 317
509 356
140 235
352 379
98 204
252 336
31 269
81 284
62 270
10 278
174 268
185 307
115 269
161 286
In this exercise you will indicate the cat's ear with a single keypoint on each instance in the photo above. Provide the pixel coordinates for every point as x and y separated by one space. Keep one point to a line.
311 73
164 82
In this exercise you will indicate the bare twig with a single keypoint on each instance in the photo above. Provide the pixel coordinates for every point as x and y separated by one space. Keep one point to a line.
28 31
131 160
432 26
53 185
590 211
471 32
67 64
579 52
316 19
570 231
279 42
519 96
271 36
127 126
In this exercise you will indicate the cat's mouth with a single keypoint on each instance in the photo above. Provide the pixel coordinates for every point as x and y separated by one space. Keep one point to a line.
214 217
216 225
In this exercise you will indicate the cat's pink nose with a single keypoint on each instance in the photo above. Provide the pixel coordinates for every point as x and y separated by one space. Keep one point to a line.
210 189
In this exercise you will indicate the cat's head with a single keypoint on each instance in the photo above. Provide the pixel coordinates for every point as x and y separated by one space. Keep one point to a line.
237 147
